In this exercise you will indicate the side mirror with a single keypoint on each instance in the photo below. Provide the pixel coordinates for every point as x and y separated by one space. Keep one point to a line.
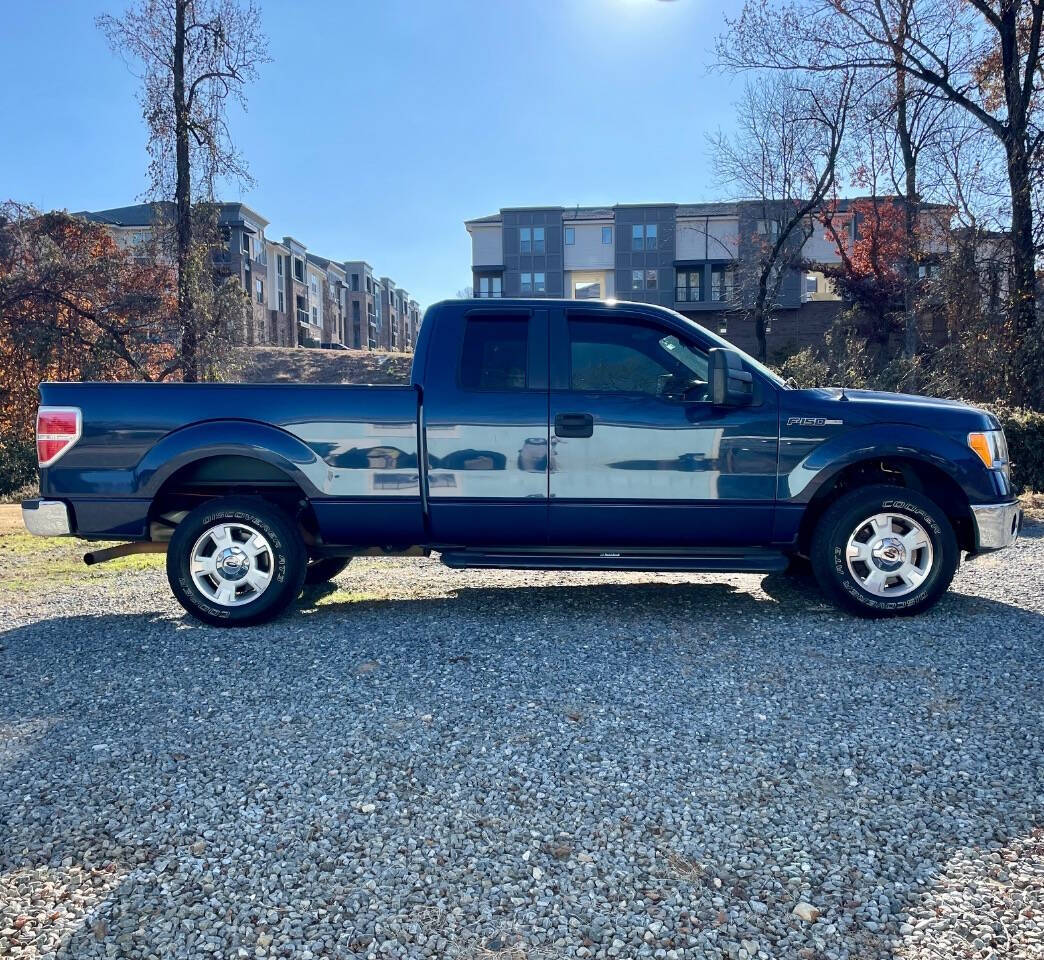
731 385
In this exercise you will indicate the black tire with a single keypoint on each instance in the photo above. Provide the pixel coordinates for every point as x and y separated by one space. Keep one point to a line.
285 561
325 569
844 519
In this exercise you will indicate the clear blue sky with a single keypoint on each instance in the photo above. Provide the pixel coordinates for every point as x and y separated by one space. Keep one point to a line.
381 125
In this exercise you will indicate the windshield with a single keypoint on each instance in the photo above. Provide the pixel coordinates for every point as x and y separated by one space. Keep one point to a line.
766 372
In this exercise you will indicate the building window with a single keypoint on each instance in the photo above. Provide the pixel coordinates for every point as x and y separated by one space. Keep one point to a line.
811 283
525 240
722 284
299 269
570 236
246 244
494 353
282 303
607 235
636 279
355 282
689 286
538 283
315 316
527 283
651 280
279 265
538 239
643 237
260 290
590 290
490 286
769 228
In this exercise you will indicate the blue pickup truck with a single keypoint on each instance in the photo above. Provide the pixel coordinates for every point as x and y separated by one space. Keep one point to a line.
539 434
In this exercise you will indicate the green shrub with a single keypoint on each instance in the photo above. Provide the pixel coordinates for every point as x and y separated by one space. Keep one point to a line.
806 368
17 465
1025 432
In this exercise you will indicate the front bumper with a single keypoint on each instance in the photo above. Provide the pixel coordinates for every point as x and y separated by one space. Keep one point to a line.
46 518
997 525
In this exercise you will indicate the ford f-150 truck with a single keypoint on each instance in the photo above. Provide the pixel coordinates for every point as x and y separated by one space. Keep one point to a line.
542 434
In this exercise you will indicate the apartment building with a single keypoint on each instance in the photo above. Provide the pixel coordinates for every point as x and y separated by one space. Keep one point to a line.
413 327
282 331
293 297
698 259
363 305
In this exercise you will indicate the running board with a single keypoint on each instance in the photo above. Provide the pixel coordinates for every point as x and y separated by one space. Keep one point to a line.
721 560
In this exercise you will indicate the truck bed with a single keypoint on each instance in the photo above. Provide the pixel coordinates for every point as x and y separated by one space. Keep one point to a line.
354 443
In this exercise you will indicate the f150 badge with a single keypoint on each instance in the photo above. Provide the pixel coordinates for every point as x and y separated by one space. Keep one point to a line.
813 422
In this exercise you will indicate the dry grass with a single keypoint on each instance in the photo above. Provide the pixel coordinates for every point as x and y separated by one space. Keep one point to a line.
300 365
1033 506
11 519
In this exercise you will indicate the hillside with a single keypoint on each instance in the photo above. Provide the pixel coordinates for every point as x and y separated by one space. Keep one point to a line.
300 365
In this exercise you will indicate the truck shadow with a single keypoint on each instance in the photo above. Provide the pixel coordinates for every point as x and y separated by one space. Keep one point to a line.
141 756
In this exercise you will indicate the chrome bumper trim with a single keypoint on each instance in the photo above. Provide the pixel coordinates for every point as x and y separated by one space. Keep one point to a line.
46 518
997 525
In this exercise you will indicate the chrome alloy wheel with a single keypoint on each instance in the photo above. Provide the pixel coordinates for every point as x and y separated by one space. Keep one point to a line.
232 564
889 554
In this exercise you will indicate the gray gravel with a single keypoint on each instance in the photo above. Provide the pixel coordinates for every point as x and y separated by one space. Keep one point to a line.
432 763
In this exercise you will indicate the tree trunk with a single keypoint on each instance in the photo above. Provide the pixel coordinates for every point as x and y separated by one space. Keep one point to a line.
759 332
1023 383
910 343
183 206
1024 278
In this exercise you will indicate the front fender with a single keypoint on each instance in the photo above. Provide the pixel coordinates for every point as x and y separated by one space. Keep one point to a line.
244 438
803 471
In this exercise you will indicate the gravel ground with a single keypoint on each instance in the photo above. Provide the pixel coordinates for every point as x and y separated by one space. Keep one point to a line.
447 764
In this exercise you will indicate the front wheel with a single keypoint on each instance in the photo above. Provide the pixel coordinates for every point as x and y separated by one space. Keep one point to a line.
884 551
236 561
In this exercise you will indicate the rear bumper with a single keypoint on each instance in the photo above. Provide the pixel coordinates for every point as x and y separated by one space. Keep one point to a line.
46 518
997 525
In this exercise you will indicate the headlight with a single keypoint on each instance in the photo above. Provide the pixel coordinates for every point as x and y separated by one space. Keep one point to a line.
992 449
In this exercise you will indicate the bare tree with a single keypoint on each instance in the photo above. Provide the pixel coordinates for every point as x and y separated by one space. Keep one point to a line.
983 56
194 56
783 153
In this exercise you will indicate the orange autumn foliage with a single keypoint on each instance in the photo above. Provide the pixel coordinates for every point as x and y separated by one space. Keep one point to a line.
74 306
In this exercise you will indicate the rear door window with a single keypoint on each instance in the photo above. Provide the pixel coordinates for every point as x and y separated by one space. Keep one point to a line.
495 353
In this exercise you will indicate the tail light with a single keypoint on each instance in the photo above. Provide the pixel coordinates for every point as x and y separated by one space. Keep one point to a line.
57 430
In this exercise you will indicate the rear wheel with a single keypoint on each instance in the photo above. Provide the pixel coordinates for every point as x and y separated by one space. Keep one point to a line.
236 561
884 551
325 569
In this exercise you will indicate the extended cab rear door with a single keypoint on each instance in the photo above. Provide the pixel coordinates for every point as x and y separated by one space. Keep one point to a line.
639 455
485 421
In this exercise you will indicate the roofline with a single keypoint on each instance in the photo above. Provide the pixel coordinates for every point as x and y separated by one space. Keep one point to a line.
498 218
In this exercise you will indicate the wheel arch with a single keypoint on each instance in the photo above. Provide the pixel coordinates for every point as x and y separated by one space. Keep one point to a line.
231 458
902 470
245 440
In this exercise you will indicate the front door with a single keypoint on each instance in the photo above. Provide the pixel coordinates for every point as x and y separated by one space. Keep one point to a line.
639 455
